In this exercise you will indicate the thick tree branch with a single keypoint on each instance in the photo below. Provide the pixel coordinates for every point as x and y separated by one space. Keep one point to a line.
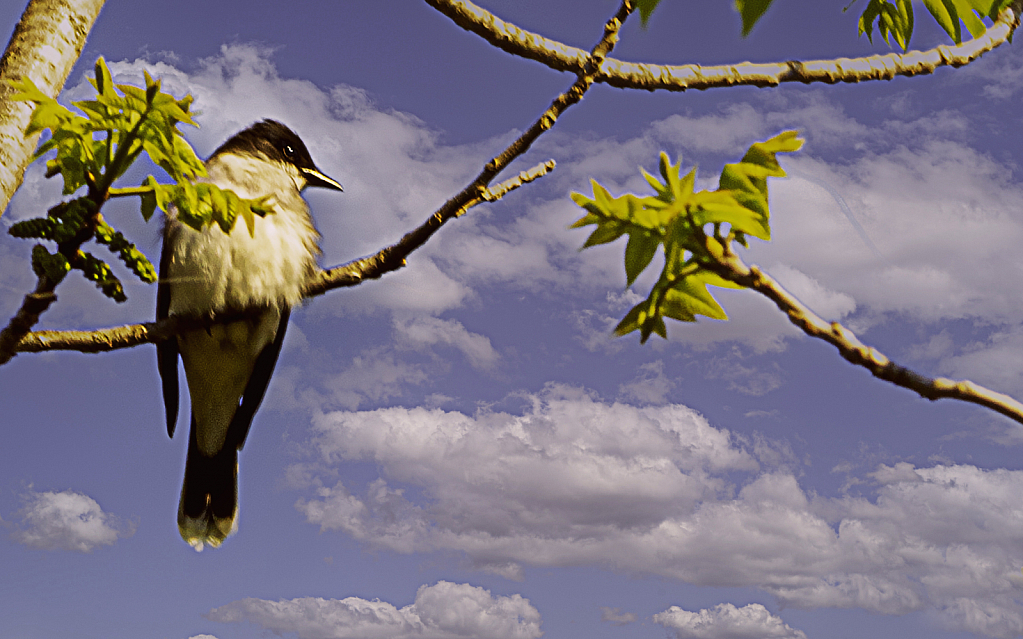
653 77
44 47
852 349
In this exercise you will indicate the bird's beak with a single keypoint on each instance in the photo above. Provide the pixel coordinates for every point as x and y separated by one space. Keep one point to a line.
314 178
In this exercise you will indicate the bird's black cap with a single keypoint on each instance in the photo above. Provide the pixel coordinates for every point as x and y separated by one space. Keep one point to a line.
277 143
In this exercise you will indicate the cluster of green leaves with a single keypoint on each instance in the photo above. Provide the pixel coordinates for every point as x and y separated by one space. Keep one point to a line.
67 223
694 228
894 18
95 149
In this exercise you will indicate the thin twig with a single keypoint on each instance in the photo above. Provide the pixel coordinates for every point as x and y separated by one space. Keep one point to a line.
653 77
852 349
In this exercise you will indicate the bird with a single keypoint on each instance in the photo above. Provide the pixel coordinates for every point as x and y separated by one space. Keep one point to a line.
262 273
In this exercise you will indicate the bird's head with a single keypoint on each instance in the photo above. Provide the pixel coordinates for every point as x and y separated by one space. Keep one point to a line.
272 141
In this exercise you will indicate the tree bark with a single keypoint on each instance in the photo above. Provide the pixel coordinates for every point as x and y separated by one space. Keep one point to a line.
44 47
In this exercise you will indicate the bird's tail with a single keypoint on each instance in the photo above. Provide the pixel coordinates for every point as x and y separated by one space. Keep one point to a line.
208 508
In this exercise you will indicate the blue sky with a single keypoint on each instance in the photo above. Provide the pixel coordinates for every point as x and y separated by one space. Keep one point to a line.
461 449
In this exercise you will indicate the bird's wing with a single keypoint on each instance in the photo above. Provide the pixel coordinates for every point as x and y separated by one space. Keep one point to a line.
255 389
167 350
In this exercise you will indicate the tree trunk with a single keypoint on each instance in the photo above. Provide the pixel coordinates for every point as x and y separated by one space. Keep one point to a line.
44 47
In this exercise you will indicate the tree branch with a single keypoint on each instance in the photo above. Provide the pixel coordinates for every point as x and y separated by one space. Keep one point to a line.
653 77
853 350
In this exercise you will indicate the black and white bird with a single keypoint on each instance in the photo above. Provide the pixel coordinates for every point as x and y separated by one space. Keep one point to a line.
228 366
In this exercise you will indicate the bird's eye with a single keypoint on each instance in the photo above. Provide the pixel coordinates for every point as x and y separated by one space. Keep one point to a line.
289 150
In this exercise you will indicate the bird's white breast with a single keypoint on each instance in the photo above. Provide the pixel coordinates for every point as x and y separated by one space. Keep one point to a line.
212 271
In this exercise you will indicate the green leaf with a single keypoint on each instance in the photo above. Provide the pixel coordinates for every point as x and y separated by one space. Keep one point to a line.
37 228
751 11
869 17
99 272
896 20
613 216
218 201
944 11
969 10
747 181
103 80
748 217
693 293
631 321
53 266
233 207
908 20
27 91
655 324
638 253
152 88
245 210
711 278
148 205
646 7
606 231
675 307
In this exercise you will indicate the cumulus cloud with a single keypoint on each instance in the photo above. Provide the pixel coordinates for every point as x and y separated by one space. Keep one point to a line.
373 375
656 489
423 332
993 361
570 464
828 304
616 616
444 610
650 386
725 621
928 210
747 380
67 521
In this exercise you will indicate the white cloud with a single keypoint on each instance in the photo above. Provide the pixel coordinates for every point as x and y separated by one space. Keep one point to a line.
739 124
373 375
729 132
828 304
570 466
747 380
576 481
941 215
444 610
651 386
423 332
616 616
725 621
994 361
67 521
